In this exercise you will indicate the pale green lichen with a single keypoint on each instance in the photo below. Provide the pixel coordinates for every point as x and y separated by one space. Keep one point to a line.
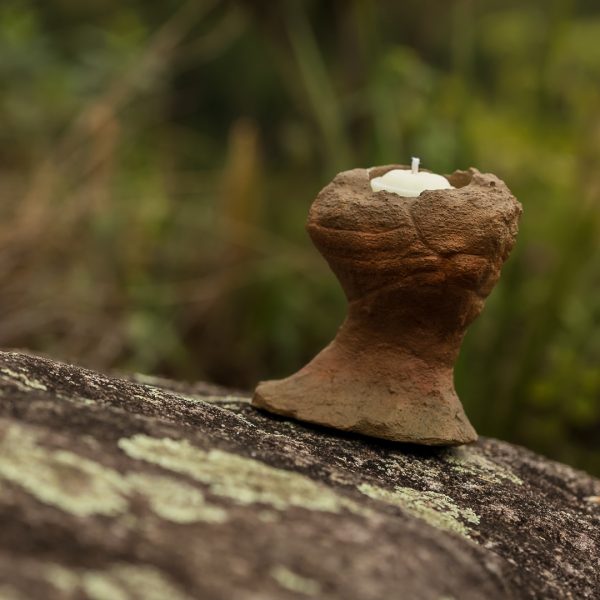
103 586
150 379
436 509
228 399
267 516
21 380
78 400
8 592
243 480
295 583
139 581
174 500
60 478
63 579
471 462
82 487
160 384
116 582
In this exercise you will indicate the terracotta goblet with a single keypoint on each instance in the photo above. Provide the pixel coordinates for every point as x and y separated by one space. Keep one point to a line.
416 272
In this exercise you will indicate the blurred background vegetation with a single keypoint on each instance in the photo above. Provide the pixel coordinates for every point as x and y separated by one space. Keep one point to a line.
158 159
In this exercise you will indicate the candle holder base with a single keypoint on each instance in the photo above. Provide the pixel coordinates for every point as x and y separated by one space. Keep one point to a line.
394 397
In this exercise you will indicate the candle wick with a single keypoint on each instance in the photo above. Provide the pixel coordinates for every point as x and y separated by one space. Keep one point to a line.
415 164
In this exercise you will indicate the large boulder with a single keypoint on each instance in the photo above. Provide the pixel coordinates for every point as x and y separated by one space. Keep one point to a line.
134 487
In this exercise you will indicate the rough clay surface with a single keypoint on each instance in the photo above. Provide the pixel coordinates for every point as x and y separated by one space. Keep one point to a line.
115 488
416 272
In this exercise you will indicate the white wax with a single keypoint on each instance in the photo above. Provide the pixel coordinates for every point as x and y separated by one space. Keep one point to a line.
409 183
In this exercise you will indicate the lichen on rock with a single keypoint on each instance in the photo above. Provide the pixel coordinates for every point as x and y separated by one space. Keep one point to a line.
115 582
58 477
8 592
471 462
436 509
21 380
83 487
174 500
294 582
240 479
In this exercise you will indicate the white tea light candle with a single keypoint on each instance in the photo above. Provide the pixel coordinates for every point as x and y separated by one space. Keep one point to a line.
411 183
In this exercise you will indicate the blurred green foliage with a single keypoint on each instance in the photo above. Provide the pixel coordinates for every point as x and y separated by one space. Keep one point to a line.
158 160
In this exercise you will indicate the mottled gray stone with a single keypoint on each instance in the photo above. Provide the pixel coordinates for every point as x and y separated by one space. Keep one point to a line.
135 487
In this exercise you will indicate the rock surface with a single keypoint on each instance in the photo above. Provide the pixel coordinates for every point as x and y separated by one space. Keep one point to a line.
116 488
416 272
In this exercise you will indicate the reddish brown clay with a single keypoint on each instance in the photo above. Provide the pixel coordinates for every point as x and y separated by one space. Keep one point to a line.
416 272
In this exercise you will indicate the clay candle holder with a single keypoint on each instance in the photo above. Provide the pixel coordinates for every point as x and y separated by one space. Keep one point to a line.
416 272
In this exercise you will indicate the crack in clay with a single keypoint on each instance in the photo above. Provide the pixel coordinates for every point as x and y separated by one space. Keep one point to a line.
420 235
